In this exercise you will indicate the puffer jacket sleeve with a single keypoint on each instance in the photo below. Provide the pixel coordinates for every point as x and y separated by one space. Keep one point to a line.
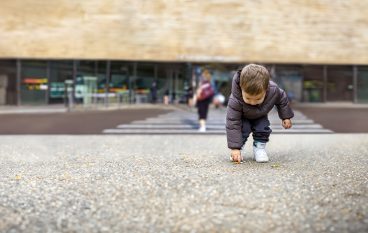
234 124
234 115
283 107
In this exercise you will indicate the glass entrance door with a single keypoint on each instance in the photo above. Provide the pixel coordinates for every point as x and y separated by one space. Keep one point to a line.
362 87
340 83
60 71
290 79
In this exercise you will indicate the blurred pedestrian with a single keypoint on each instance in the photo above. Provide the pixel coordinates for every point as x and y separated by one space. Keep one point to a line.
252 97
173 97
189 96
166 96
153 90
204 94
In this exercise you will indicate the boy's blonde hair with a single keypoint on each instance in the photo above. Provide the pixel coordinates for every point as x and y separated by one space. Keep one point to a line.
254 79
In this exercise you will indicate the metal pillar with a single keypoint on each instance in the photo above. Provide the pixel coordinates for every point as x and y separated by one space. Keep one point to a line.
48 76
74 74
176 83
131 86
325 83
188 73
96 68
355 84
107 83
19 73
155 72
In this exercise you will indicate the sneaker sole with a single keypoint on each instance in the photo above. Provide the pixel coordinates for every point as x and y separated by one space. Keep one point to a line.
262 161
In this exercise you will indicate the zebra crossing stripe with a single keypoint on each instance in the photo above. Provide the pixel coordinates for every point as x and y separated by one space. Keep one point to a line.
182 122
223 132
209 126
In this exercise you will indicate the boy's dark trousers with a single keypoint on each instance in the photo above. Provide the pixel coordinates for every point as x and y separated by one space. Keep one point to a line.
259 127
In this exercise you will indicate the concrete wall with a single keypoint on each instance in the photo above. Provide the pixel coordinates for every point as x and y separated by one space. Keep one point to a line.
284 31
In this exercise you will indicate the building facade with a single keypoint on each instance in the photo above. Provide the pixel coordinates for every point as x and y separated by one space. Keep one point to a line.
317 50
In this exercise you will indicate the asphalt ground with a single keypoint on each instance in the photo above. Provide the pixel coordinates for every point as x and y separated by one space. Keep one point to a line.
86 122
339 120
151 183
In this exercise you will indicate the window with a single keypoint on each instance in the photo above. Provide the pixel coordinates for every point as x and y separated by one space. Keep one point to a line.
34 82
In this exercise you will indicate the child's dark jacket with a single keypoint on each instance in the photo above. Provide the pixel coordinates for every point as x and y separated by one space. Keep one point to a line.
238 109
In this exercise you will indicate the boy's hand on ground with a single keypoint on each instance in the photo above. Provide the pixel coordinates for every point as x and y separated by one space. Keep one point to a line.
236 156
287 123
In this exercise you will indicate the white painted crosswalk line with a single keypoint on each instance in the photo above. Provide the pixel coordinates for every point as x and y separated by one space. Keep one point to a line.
211 126
183 122
195 121
181 131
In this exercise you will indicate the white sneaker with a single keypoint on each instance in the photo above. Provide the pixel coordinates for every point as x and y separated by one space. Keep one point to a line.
259 151
202 129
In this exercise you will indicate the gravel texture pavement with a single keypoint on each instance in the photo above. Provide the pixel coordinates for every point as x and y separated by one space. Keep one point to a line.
313 183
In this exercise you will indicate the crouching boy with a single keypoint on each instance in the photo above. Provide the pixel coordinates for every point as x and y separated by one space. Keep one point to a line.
252 97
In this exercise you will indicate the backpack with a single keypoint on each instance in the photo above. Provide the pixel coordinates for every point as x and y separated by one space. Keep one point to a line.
207 91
